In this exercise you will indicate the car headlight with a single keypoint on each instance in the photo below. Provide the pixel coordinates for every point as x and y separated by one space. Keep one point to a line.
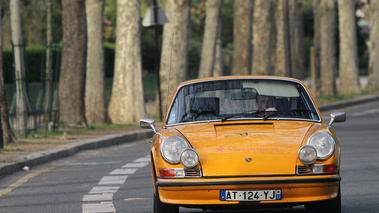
323 143
307 154
189 158
172 147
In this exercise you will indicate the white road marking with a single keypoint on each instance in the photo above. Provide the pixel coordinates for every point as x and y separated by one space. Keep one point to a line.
145 159
112 180
105 193
135 165
367 112
98 197
104 189
123 171
99 207
137 198
96 163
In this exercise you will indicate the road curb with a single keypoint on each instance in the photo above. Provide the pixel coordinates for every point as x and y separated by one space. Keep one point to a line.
41 157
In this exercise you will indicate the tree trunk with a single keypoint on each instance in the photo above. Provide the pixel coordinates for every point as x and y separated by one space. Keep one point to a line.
371 43
373 82
298 39
262 28
175 41
49 63
218 64
127 100
73 66
242 36
348 59
213 15
279 63
21 120
95 105
317 44
328 47
7 133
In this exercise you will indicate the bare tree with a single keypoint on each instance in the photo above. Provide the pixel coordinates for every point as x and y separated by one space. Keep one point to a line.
176 33
242 36
348 59
95 105
7 133
328 47
73 67
127 100
213 15
262 30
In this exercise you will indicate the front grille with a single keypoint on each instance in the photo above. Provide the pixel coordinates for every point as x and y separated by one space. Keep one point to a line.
192 172
304 170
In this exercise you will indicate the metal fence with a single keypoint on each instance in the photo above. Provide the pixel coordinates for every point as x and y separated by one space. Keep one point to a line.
43 114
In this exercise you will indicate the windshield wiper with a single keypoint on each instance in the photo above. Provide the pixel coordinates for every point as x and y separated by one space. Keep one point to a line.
237 114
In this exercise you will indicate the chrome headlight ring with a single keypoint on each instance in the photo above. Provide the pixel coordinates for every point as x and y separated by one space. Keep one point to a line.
189 158
307 154
323 143
171 149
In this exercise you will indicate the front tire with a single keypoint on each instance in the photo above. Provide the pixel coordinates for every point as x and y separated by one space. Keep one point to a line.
160 207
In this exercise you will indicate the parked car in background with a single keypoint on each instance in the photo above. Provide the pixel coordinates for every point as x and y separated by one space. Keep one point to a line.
245 142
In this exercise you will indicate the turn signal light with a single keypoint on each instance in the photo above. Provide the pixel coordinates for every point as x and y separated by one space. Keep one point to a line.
330 168
164 172
317 169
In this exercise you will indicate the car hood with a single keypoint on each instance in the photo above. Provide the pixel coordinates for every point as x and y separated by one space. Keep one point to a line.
247 149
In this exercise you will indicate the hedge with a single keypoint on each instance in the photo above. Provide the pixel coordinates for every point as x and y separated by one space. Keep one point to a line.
34 61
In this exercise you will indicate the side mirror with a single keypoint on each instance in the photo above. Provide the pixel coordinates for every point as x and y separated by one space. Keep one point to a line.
147 123
337 117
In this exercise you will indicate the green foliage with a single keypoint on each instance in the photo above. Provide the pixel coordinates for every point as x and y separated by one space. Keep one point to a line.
197 20
109 56
308 43
227 24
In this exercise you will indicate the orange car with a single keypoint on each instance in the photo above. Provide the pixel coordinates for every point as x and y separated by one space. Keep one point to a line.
245 142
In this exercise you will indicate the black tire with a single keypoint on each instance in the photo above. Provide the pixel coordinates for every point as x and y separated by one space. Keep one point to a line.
328 206
160 207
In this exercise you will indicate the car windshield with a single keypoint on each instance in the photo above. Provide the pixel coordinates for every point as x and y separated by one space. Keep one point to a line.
241 99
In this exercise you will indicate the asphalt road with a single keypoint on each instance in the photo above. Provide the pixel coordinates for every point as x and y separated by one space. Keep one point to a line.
118 179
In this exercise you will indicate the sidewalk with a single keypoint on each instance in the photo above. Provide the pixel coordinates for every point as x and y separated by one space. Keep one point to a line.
67 147
64 147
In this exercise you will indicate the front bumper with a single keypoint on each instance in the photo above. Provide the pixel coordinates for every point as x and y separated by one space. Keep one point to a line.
206 191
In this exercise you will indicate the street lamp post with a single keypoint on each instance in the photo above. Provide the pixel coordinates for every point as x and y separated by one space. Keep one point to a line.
156 16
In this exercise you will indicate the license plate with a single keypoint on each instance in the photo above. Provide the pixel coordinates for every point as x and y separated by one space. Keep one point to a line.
230 195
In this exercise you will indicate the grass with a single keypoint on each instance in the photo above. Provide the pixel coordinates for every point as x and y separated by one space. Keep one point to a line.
78 130
10 150
111 126
327 99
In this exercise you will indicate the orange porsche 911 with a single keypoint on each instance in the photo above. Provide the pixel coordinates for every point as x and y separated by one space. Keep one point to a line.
245 142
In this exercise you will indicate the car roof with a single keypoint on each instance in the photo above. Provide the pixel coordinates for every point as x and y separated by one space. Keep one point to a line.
240 77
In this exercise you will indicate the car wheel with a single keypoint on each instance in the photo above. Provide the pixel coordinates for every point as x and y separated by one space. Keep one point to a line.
329 206
160 207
